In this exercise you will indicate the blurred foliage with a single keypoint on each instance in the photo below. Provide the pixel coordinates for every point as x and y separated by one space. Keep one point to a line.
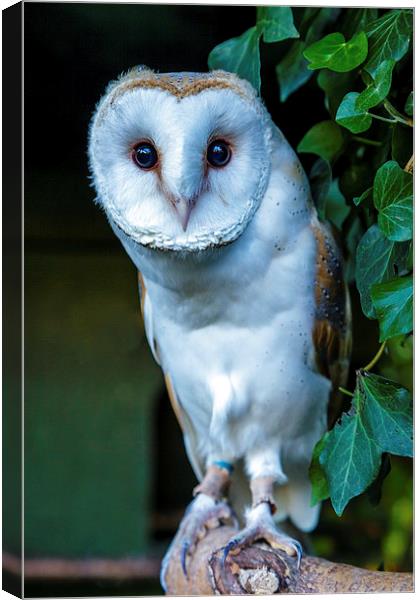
364 186
372 536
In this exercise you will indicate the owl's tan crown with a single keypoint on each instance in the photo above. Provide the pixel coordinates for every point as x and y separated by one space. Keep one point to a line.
181 84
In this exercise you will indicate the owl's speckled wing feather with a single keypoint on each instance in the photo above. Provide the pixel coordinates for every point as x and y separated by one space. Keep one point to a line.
332 329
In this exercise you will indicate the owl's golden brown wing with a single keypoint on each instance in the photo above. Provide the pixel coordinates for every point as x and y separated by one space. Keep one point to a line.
332 329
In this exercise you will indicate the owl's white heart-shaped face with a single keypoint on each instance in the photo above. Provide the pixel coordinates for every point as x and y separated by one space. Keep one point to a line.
180 162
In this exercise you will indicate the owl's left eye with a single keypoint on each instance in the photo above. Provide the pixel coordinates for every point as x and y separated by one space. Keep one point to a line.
145 155
218 153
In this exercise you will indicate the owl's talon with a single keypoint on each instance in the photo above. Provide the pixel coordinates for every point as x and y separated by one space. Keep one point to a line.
299 553
203 513
287 544
184 553
261 527
227 549
292 548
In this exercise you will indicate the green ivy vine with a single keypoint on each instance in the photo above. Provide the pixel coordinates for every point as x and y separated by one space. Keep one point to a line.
355 54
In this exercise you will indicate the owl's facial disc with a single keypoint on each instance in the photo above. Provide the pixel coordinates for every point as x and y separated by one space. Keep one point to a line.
180 173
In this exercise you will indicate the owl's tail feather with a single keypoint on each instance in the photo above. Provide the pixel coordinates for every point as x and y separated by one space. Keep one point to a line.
293 500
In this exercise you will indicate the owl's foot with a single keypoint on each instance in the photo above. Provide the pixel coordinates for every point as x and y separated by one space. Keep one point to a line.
203 514
260 526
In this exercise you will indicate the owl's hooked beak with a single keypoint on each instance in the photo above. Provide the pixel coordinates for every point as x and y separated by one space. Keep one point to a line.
183 208
183 204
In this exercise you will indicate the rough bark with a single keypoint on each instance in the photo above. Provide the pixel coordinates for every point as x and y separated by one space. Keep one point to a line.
262 570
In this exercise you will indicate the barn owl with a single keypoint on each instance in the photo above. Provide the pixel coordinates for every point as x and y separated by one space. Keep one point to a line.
242 290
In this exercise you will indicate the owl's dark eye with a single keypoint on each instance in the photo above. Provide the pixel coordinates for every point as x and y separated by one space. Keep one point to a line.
218 153
145 155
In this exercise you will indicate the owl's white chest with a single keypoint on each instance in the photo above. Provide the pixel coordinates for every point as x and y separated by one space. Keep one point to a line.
234 332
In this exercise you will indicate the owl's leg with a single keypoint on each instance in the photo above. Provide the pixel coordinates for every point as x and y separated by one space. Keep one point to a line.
207 511
265 471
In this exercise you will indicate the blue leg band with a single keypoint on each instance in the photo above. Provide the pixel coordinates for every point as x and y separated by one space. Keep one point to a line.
224 465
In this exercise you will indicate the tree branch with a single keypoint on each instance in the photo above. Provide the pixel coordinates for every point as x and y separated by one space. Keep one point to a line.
261 570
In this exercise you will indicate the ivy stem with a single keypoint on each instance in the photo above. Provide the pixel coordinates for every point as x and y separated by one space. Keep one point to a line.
363 140
396 114
375 358
384 119
346 392
409 166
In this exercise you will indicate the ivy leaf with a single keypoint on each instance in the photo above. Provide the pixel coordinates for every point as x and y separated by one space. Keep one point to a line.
393 302
366 194
335 86
276 23
320 178
374 491
379 421
292 71
409 105
378 89
393 198
377 259
315 20
353 237
324 139
357 19
336 209
389 38
350 459
328 199
400 350
316 474
239 55
350 117
387 410
333 52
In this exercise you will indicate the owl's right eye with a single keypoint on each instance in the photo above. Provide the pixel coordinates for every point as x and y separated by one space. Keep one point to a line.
145 155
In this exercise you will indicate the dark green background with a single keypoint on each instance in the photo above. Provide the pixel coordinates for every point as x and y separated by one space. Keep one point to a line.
105 469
